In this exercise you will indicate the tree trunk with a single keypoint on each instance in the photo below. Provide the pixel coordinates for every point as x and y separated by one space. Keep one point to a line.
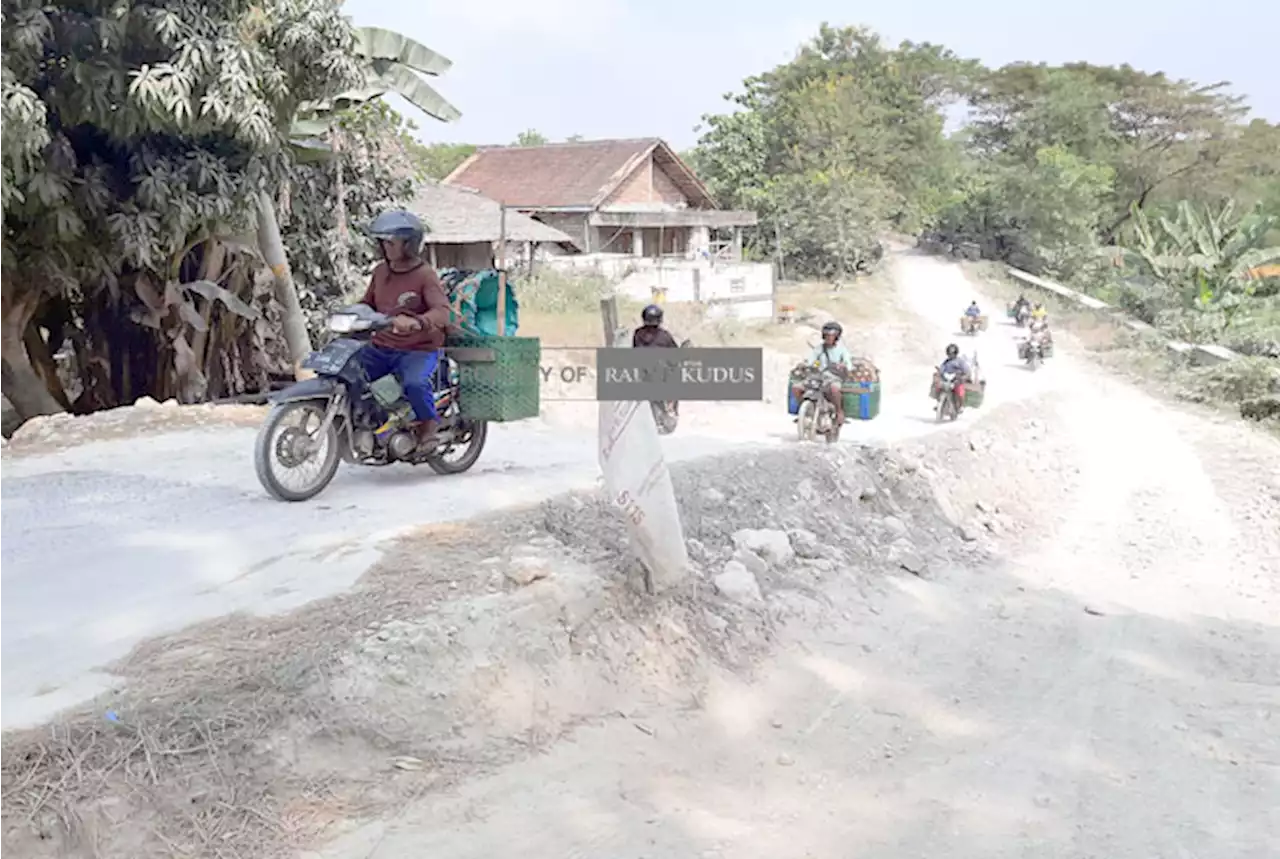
294 322
28 394
43 362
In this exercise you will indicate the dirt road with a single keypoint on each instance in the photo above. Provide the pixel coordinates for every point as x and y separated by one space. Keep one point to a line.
1106 683
1049 630
110 543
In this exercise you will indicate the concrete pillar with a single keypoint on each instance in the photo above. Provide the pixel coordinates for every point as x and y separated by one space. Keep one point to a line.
737 244
637 242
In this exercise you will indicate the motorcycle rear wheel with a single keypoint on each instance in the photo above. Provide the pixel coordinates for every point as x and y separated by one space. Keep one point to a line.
268 449
474 446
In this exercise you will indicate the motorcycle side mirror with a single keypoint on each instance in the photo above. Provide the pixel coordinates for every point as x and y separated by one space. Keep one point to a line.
685 344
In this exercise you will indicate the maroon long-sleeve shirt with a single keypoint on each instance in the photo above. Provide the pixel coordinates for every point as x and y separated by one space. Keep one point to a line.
415 293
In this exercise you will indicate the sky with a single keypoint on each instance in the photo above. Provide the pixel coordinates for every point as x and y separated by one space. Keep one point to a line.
652 68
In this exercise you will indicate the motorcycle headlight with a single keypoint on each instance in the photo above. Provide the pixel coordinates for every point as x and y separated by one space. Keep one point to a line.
342 323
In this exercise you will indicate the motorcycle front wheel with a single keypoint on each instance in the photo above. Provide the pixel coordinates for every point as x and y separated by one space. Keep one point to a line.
946 407
808 424
469 447
283 451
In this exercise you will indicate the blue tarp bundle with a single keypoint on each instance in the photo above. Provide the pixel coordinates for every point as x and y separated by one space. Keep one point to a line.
474 296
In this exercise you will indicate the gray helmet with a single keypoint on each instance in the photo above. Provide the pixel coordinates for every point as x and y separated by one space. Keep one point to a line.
952 350
832 327
651 315
400 224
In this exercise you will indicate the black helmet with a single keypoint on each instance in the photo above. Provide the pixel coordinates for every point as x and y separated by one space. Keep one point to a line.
400 224
832 327
652 315
952 350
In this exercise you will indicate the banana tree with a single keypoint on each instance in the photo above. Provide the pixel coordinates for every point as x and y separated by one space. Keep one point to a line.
392 63
1205 258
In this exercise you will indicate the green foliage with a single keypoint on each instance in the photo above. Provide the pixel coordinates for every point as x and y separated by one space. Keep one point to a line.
371 169
166 125
852 127
553 291
438 160
132 133
531 138
1198 262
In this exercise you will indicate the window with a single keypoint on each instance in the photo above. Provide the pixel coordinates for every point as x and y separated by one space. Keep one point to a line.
737 286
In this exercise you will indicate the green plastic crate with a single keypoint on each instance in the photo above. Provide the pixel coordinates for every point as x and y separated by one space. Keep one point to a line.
861 400
507 388
974 394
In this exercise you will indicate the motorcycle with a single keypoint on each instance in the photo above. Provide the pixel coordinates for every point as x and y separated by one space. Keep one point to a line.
971 325
357 419
1032 350
666 415
817 415
949 404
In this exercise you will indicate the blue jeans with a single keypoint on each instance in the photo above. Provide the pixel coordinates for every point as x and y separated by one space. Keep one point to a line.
414 370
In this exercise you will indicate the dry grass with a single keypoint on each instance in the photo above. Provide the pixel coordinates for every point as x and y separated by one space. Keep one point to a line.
230 739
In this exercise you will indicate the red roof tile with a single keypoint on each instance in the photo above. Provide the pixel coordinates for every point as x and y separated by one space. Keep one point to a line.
554 175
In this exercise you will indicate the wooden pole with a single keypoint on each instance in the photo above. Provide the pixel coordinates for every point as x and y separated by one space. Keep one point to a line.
502 272
609 319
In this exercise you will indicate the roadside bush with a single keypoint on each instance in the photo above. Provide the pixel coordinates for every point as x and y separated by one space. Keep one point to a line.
553 291
1237 381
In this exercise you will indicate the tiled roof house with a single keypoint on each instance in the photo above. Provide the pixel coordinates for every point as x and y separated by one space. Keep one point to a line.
611 196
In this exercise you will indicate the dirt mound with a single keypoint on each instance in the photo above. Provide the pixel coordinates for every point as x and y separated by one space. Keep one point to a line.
55 432
469 645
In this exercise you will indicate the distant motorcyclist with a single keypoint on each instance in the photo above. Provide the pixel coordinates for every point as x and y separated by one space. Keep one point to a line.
1021 304
834 361
1039 331
955 364
972 310
651 333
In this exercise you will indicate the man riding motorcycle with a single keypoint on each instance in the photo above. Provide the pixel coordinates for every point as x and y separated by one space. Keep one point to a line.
955 363
408 290
651 333
972 310
1020 304
1038 313
834 360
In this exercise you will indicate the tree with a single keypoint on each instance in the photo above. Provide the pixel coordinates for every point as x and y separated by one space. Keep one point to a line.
371 168
531 138
388 62
142 139
852 115
1200 261
1150 130
438 160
